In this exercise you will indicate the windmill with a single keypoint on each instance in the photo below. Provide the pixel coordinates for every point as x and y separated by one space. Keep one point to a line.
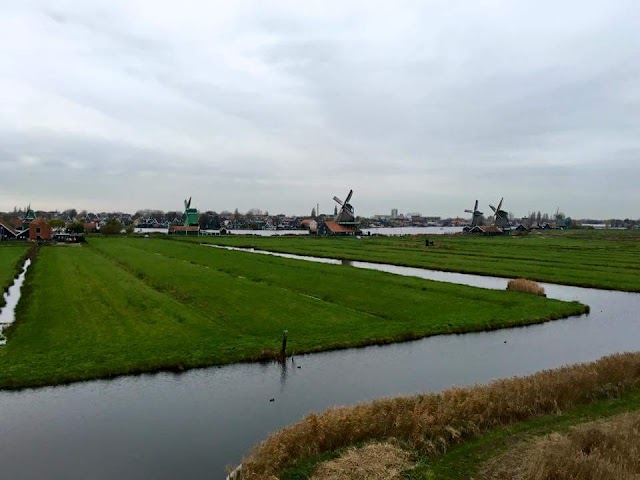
500 217
345 214
190 215
477 215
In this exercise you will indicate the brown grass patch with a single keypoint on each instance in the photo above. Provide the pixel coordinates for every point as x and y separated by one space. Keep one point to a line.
526 286
376 461
602 450
431 423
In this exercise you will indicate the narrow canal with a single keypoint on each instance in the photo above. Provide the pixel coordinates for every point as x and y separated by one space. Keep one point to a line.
11 297
193 424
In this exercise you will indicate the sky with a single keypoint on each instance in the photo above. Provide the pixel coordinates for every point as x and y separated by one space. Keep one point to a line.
422 106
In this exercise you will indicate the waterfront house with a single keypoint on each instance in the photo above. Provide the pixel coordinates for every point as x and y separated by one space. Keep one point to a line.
329 228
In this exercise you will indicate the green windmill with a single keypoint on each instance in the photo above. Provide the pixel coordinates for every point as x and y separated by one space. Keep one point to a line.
29 217
190 214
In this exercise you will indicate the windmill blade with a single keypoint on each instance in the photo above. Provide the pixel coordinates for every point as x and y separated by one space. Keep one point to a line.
349 196
500 204
476 207
469 211
338 200
492 207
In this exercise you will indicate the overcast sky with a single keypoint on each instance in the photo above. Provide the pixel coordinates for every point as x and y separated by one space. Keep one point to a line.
421 106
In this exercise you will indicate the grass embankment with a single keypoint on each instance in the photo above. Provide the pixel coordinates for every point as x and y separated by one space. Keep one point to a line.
599 259
599 450
501 452
11 258
431 424
124 306
480 457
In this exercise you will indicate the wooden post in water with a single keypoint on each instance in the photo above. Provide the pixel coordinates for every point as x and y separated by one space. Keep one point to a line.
283 350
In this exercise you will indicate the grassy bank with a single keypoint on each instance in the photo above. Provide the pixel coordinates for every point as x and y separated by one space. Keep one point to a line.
600 259
11 257
431 424
472 458
497 453
597 450
124 306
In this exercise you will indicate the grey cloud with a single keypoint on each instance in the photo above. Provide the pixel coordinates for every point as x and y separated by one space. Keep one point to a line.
417 107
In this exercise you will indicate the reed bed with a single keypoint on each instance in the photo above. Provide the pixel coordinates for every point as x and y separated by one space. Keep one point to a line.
526 286
431 423
602 450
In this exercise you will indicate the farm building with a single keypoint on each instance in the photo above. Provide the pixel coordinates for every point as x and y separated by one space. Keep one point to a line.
6 233
184 230
309 224
39 230
332 228
487 230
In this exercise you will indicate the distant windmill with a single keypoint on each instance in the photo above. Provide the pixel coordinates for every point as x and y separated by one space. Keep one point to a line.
191 217
345 214
559 217
477 215
500 217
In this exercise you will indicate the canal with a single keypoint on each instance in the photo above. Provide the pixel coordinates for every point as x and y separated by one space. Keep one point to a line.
194 424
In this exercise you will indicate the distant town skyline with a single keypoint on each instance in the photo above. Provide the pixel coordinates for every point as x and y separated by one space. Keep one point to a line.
415 106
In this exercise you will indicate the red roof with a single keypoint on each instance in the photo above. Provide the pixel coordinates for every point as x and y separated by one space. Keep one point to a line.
182 228
335 227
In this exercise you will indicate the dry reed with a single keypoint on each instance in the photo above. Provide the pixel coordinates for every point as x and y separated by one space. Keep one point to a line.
602 450
526 286
433 422
376 461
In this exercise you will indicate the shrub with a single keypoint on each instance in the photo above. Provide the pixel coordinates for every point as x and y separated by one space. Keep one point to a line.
526 286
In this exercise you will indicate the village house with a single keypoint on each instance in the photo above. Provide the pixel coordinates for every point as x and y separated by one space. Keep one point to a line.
330 228
309 224
39 230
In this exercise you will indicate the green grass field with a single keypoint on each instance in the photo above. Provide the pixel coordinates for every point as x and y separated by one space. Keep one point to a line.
122 306
10 256
601 259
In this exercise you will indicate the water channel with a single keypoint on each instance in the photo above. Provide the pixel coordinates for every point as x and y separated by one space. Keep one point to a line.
191 425
11 297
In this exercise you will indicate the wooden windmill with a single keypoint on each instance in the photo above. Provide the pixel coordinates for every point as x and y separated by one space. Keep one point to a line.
500 217
476 219
344 221
346 214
